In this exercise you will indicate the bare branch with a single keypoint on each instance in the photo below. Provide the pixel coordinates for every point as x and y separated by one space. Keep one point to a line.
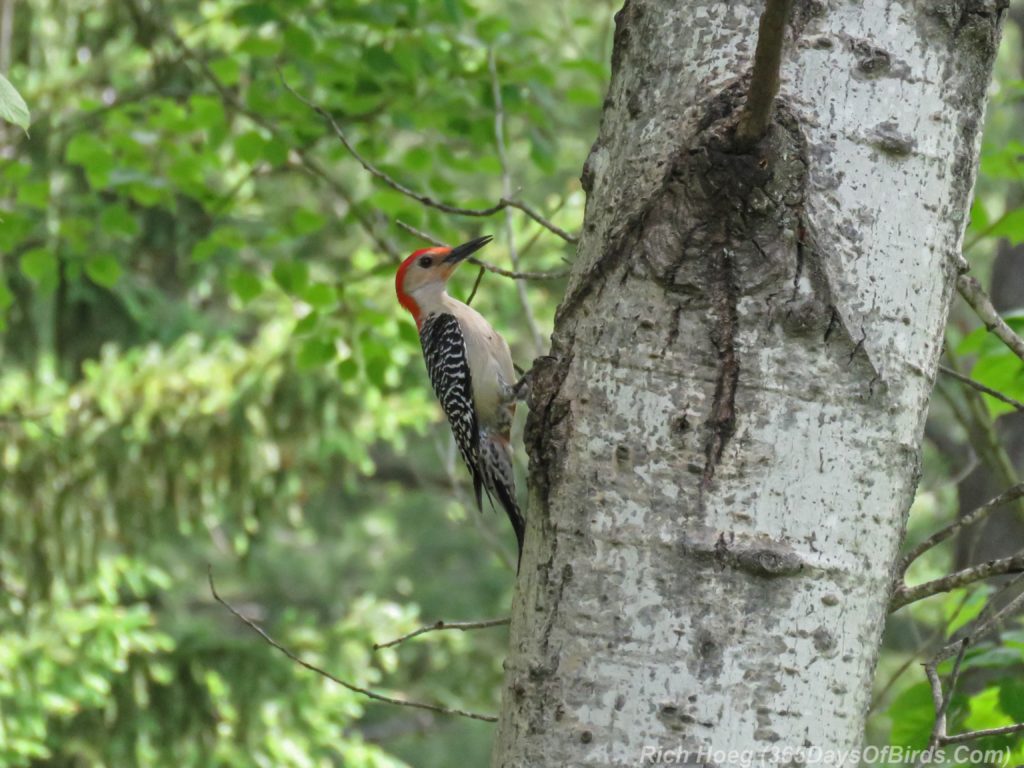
441 625
323 673
959 738
764 80
1017 404
476 285
981 432
938 633
990 619
1012 494
983 624
972 292
506 186
512 274
419 197
904 595
941 701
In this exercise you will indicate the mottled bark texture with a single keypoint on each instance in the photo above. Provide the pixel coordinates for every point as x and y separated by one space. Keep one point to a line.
724 443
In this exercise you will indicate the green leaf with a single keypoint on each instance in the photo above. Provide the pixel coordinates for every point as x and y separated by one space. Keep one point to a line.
1011 698
250 146
34 194
292 276
39 265
254 14
314 352
1010 226
913 715
6 299
320 296
245 285
348 370
970 609
103 270
305 221
207 112
13 108
986 710
226 69
117 220
86 150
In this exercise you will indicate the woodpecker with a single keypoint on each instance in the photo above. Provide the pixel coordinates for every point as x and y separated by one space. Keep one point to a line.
470 369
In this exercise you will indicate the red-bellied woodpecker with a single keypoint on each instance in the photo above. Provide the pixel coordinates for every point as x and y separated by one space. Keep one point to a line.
471 370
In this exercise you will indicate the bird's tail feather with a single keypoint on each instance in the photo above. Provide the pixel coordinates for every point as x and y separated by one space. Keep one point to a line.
499 482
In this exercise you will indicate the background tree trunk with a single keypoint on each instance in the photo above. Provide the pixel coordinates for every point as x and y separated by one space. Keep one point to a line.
725 441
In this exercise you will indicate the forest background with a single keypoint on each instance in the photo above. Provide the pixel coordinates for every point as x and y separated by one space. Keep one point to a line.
203 364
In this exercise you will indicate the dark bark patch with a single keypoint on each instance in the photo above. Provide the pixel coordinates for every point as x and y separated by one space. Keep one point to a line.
764 559
804 12
677 720
721 423
889 139
871 60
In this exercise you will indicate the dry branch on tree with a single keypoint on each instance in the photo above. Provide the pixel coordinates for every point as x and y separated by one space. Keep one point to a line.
426 200
441 626
344 684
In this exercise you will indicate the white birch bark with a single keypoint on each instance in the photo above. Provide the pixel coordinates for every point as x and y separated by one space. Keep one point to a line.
725 442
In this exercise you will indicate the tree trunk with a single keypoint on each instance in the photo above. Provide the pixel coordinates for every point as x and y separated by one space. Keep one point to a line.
724 443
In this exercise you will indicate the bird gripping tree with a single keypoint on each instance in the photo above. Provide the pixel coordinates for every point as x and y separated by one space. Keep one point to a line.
470 368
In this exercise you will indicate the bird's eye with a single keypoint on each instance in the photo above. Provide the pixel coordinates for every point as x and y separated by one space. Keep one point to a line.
425 261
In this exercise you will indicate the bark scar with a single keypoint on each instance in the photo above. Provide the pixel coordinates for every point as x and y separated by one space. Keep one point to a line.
722 419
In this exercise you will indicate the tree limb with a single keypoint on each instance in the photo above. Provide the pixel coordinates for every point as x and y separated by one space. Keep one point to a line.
904 595
940 701
1017 404
940 737
324 673
972 292
377 173
506 187
764 80
441 625
1012 494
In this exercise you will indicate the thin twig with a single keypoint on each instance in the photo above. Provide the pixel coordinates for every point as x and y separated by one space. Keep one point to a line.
940 701
308 162
554 274
971 635
439 626
972 292
476 285
324 673
764 80
904 595
937 633
981 431
419 197
1017 404
959 738
1007 496
988 621
506 187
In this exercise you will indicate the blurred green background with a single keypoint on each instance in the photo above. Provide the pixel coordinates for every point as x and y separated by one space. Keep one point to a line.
203 362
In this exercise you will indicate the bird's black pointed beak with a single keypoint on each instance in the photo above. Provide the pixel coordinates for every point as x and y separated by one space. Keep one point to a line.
460 252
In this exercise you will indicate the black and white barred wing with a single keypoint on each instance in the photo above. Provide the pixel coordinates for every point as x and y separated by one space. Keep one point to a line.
444 350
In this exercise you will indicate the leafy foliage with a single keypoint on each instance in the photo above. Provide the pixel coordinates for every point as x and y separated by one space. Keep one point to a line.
204 362
13 108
